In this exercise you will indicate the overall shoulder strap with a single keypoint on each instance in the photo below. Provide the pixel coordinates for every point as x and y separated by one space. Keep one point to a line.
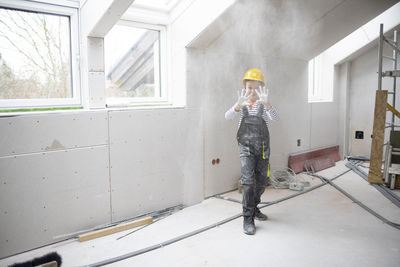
245 111
260 109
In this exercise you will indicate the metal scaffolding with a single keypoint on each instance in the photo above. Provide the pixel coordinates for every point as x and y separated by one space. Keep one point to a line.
389 172
394 73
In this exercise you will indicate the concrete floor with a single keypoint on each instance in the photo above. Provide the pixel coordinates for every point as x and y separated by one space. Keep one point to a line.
319 228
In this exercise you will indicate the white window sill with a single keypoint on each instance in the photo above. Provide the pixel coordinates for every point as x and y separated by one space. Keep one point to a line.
27 112
144 106
71 111
319 100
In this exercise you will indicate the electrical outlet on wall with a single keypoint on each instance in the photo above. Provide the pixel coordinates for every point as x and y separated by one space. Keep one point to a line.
298 142
359 135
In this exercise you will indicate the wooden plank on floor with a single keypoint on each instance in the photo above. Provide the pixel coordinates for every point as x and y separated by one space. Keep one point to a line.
114 229
375 174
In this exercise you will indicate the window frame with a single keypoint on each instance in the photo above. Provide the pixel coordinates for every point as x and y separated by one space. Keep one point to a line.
112 102
320 80
58 10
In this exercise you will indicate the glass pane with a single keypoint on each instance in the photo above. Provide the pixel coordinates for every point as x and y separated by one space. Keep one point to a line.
34 55
158 2
132 62
153 2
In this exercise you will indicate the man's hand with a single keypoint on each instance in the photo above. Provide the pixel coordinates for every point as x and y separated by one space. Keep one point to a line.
242 99
262 93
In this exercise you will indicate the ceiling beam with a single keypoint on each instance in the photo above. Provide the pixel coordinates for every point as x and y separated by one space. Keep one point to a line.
99 16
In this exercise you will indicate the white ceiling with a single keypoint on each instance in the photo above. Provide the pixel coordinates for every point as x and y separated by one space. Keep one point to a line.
289 28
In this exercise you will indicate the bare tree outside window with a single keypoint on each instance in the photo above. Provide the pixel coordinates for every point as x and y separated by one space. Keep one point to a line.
35 57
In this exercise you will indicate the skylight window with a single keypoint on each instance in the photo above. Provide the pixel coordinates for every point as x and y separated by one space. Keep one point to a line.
160 5
134 54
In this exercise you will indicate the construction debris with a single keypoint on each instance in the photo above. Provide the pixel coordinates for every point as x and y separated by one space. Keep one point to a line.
114 229
283 179
319 164
314 160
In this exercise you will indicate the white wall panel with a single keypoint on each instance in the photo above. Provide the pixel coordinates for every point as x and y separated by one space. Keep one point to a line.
43 195
156 156
220 91
324 124
47 131
287 81
97 89
342 86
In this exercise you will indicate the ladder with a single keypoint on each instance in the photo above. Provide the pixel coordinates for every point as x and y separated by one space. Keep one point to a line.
381 107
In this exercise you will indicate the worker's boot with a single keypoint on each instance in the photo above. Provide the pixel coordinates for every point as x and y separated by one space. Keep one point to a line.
258 215
248 225
248 209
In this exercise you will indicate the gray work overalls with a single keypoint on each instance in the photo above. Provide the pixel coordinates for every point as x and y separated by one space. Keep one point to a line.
253 139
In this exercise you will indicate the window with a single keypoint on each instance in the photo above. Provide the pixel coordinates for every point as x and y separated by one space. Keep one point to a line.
320 79
160 5
134 64
38 49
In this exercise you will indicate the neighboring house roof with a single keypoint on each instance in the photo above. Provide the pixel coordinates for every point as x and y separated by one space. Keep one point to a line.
136 64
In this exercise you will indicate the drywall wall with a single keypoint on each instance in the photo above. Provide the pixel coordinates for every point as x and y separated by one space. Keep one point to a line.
278 37
54 177
223 63
155 160
186 27
65 172
314 124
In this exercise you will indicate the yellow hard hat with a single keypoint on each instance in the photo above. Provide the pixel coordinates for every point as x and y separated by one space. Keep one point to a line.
255 75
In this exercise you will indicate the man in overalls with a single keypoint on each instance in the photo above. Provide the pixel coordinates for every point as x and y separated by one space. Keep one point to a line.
253 138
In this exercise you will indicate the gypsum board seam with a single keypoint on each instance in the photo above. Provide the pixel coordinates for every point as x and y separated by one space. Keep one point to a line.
181 237
395 225
381 188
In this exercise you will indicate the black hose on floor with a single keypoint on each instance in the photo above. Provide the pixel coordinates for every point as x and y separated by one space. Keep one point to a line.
163 244
181 237
395 199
